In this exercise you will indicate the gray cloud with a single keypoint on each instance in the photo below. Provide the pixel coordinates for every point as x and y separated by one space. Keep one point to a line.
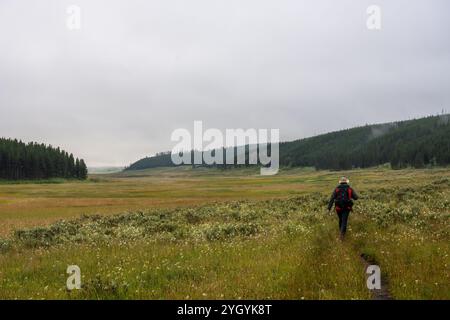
113 91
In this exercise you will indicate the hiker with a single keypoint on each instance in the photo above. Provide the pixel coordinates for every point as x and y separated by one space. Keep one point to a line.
342 199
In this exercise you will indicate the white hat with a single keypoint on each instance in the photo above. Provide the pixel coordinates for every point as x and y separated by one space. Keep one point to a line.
344 180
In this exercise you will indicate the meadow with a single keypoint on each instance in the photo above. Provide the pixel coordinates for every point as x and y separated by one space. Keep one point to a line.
179 233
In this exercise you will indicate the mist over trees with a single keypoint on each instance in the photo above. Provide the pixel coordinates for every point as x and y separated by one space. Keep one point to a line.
413 143
19 160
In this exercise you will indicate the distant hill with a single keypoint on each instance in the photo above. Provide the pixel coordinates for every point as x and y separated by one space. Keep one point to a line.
104 170
415 143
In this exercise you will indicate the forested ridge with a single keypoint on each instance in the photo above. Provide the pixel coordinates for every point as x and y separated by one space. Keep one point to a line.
19 160
411 143
414 143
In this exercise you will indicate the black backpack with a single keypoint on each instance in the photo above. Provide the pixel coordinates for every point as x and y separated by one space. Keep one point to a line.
343 197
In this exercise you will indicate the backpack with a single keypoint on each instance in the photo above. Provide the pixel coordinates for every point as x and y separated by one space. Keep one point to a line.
343 197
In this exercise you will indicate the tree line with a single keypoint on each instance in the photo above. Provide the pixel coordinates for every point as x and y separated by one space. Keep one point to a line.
19 160
413 143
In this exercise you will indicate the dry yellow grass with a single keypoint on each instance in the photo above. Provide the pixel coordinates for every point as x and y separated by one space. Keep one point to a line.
26 205
214 251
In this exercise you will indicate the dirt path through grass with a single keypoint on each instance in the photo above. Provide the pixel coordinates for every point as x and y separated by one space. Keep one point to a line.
377 294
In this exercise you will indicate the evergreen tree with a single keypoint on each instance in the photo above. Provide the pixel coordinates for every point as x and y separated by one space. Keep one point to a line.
416 143
36 161
83 170
77 168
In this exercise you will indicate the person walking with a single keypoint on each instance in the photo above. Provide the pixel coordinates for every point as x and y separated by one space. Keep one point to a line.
342 198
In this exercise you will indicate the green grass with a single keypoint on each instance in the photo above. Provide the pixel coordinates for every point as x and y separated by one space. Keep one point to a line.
41 181
192 234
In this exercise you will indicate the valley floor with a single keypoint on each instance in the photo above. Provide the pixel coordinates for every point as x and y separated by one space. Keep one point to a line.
209 234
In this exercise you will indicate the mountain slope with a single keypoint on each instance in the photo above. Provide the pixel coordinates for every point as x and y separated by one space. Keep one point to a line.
416 143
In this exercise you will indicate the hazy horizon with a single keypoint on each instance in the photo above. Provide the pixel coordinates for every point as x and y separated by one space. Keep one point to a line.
113 91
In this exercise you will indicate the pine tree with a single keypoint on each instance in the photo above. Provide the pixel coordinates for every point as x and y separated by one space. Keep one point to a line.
83 170
77 168
36 161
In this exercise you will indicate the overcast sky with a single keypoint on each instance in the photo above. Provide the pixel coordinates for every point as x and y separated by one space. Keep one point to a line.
113 91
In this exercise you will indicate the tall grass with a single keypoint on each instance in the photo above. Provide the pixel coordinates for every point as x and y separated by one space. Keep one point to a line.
278 249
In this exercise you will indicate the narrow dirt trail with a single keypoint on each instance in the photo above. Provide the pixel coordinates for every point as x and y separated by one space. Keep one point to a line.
377 294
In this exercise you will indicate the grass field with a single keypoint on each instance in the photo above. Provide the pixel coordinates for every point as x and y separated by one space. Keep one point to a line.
206 233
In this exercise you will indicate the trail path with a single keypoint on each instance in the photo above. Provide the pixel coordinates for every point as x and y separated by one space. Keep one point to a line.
377 294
